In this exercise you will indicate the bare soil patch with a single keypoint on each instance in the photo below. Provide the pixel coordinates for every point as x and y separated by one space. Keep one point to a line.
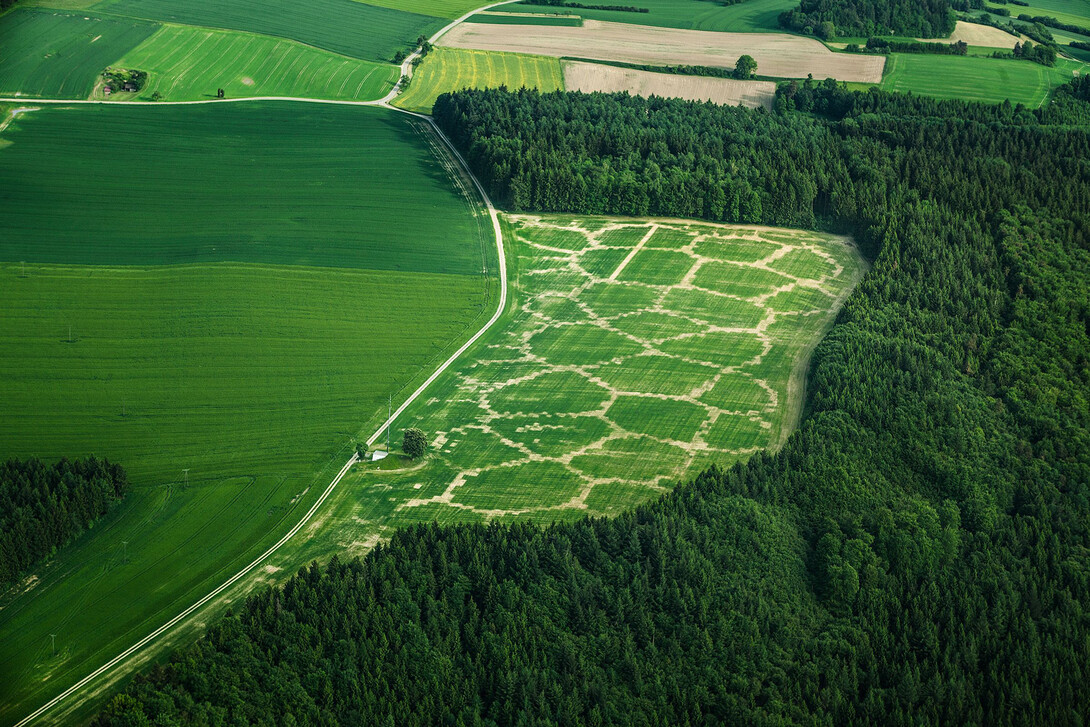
777 54
977 34
591 77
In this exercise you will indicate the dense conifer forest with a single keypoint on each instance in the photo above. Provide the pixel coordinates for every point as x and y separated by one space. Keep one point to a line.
912 18
918 552
43 506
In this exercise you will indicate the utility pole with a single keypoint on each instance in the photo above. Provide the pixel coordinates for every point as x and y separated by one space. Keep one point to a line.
53 640
186 471
389 416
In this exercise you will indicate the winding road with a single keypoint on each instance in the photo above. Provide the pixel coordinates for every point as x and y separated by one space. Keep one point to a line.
118 663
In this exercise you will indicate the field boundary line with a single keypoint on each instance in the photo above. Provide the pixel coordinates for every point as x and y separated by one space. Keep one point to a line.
502 304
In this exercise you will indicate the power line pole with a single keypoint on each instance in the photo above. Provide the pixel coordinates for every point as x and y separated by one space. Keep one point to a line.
124 551
53 640
186 471
389 417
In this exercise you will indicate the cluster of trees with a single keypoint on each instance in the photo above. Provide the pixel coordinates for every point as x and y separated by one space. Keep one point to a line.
882 45
916 552
916 18
1052 22
42 507
1043 54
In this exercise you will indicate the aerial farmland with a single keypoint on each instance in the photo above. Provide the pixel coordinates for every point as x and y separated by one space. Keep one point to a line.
420 282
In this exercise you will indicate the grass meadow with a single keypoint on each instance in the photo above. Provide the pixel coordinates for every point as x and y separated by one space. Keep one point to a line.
235 292
753 16
451 69
439 8
54 54
636 353
496 18
347 27
273 182
973 78
187 63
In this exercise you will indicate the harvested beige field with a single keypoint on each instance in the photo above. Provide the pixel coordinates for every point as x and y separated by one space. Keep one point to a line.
777 54
591 77
977 34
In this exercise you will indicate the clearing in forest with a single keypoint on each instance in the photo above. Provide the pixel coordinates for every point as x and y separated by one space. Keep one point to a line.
186 63
979 35
450 69
220 297
591 77
779 55
637 352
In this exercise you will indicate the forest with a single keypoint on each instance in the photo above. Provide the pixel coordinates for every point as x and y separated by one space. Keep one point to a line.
918 550
912 18
44 506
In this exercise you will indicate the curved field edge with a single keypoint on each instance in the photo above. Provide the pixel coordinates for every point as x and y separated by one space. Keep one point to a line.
294 493
445 70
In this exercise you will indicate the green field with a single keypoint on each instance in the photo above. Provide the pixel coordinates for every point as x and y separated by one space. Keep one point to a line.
187 63
567 21
439 8
52 54
637 353
235 293
974 79
752 16
342 26
274 182
450 69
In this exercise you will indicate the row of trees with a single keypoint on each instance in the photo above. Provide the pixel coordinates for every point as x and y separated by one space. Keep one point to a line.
913 18
916 552
44 506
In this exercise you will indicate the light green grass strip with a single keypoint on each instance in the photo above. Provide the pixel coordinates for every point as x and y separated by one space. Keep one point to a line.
973 79
446 70
187 63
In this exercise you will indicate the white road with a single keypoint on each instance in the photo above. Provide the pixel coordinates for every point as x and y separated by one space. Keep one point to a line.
406 68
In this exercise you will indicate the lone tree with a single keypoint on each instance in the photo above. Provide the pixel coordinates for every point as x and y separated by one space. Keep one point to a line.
745 68
414 444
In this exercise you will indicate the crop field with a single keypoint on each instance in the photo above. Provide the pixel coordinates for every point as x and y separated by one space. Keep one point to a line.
342 26
780 55
638 352
497 18
591 77
752 16
974 79
227 344
439 8
975 34
53 54
187 63
450 69
274 182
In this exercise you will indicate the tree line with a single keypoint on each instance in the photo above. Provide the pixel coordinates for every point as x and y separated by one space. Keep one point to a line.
915 553
847 18
44 506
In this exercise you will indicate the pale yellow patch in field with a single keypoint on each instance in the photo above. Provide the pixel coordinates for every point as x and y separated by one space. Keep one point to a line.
777 54
977 34
591 77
